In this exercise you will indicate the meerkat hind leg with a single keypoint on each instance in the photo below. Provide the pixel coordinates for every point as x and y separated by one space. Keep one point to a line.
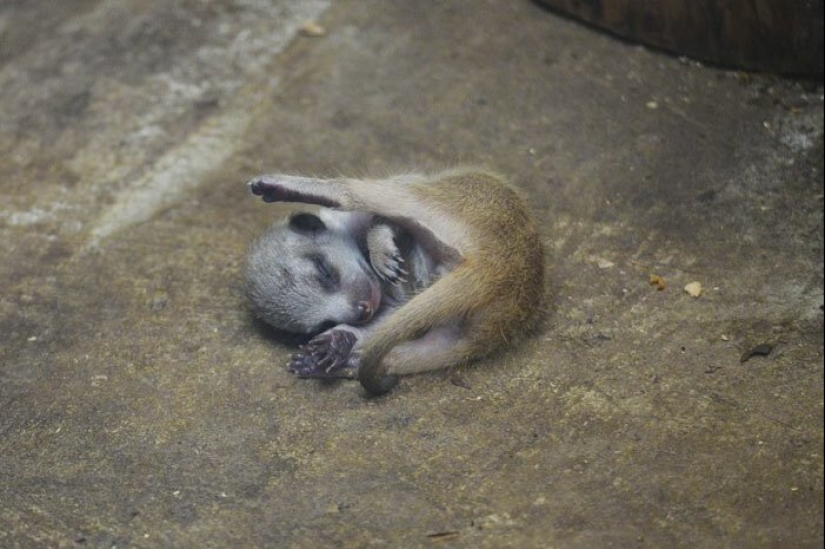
439 347
396 199
292 188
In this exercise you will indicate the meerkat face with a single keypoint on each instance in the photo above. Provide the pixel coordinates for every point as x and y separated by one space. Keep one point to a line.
303 276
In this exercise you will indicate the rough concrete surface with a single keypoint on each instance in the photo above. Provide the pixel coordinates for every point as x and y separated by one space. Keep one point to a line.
141 405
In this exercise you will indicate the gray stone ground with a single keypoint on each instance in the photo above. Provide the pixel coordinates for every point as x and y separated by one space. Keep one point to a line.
141 406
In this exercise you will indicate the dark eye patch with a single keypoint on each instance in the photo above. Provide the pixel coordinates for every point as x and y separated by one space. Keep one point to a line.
328 275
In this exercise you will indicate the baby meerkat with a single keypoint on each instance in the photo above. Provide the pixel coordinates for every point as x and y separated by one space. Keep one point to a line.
397 276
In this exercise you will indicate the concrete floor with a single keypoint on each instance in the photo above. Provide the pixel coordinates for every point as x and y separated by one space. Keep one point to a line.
141 406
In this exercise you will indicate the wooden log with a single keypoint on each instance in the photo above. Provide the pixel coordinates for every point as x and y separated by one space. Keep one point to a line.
783 36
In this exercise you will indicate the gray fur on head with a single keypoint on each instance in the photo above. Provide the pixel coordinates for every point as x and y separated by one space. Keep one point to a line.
308 273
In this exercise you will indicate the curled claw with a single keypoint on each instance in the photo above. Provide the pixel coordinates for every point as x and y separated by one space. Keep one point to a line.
384 254
392 271
399 274
325 356
306 367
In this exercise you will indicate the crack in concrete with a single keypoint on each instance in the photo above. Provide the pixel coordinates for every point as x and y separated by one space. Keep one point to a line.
179 171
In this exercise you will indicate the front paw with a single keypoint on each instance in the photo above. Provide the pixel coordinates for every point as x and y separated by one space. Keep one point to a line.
326 356
385 258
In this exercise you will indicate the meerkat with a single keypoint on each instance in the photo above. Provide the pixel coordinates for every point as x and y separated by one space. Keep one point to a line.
397 276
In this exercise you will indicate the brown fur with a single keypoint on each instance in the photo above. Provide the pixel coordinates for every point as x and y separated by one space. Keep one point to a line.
486 250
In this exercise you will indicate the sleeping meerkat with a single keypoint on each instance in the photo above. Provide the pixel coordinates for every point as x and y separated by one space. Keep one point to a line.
397 276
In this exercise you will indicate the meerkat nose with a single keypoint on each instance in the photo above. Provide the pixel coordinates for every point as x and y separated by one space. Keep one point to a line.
365 311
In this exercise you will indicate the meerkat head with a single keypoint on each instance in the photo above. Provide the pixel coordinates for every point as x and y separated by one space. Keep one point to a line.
304 276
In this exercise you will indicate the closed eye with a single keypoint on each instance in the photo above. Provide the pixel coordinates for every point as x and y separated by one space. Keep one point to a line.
327 274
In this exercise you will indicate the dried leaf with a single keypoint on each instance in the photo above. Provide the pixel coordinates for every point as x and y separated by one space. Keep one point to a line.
443 536
658 281
312 29
694 289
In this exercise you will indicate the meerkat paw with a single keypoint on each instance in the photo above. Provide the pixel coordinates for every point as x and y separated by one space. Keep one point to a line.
385 257
327 356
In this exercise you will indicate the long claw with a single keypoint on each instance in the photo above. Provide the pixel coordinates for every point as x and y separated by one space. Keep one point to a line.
326 356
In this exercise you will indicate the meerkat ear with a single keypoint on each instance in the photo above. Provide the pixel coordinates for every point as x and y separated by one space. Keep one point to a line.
306 223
